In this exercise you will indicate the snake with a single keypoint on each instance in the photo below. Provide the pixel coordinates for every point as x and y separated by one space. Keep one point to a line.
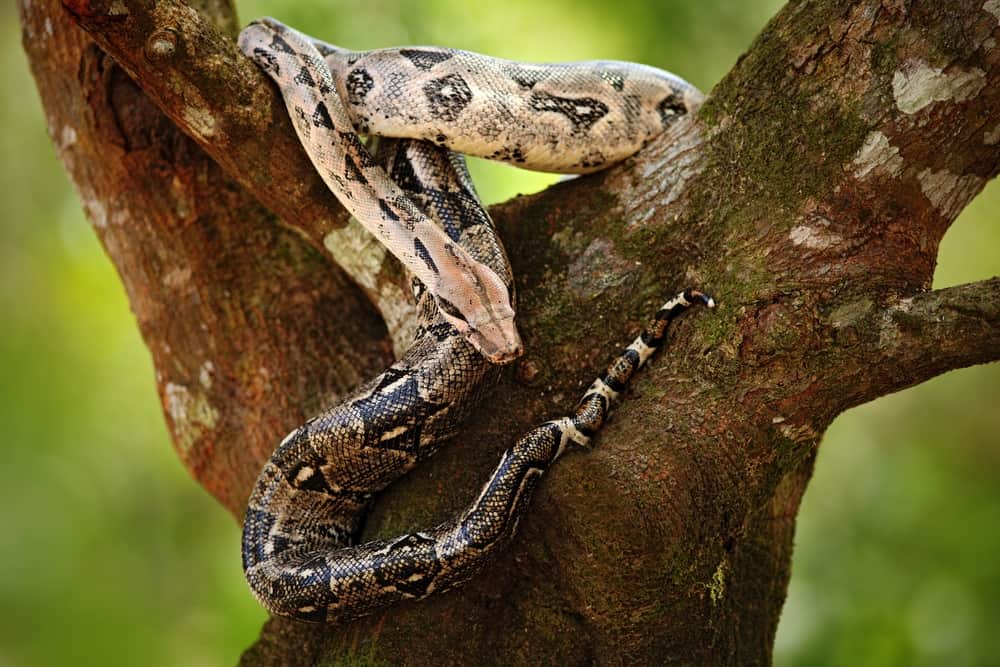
428 106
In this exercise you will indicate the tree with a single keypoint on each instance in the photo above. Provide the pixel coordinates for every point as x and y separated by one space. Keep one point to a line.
809 194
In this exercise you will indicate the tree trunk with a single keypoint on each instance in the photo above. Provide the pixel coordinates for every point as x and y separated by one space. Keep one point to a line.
809 196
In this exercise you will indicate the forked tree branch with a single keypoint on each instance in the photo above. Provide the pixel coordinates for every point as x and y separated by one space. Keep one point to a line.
822 170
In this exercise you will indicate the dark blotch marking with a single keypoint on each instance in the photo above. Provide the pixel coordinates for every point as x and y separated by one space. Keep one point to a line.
315 482
585 429
651 339
341 183
305 78
422 253
441 331
321 116
632 357
526 78
589 415
395 405
448 96
593 401
361 152
670 109
508 154
387 212
457 210
279 44
672 312
425 60
392 404
317 615
612 382
280 543
351 171
266 59
621 369
410 566
594 159
324 49
407 442
582 112
359 83
389 376
615 78
411 541
402 173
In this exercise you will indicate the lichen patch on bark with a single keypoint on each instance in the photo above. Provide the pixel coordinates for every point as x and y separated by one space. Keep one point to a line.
717 587
205 374
916 85
948 192
800 433
191 413
357 252
200 120
95 209
67 138
812 237
850 313
877 154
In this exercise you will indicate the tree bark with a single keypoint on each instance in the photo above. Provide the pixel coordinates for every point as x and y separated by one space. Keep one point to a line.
809 196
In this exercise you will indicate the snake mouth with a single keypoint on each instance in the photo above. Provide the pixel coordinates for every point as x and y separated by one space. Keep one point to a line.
498 350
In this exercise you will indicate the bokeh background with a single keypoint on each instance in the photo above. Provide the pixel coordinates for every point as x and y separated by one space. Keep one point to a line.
111 555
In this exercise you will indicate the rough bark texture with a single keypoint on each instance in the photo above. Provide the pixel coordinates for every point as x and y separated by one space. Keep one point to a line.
809 196
239 314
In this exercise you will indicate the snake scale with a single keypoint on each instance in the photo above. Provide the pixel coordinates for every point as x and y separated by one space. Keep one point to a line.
428 105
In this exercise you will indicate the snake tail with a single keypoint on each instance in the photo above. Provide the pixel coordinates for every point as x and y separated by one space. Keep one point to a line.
418 564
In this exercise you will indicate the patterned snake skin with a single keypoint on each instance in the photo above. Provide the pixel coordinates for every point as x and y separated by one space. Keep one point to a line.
305 511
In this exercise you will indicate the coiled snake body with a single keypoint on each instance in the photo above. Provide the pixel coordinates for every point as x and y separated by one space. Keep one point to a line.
299 537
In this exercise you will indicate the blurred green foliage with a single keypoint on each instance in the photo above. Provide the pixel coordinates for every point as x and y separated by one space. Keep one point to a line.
111 555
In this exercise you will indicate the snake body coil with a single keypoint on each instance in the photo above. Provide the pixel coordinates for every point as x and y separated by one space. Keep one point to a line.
304 513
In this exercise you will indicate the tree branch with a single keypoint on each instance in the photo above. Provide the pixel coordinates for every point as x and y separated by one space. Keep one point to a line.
917 338
822 170
199 78
196 74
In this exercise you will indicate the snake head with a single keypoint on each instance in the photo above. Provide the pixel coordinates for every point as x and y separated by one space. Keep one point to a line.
497 340
481 311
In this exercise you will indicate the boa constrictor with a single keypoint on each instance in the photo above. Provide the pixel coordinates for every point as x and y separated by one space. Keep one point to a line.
415 195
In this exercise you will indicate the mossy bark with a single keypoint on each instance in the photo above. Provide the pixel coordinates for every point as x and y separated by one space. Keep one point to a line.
809 195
